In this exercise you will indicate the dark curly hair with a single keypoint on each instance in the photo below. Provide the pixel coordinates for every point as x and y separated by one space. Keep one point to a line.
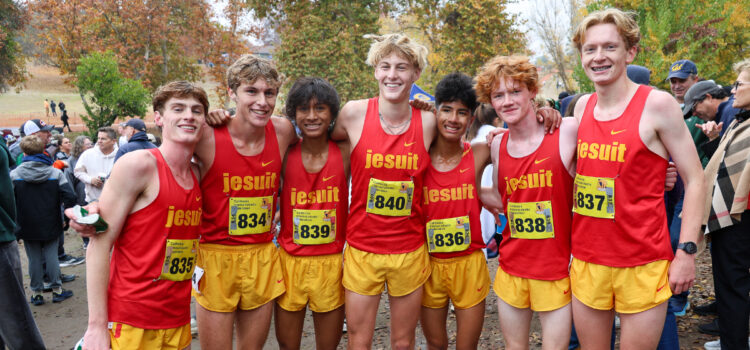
456 87
305 89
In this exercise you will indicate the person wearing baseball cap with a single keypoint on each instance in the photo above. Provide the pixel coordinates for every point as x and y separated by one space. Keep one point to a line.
709 102
135 131
682 75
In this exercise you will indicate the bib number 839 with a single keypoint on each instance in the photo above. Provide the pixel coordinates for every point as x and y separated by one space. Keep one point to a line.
398 203
314 231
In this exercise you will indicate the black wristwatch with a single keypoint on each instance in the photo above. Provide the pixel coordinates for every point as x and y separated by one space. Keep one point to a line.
688 247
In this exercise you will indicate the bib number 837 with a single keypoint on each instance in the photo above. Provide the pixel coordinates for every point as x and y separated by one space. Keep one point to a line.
587 201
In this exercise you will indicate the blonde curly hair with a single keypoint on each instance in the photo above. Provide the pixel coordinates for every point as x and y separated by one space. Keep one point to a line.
384 45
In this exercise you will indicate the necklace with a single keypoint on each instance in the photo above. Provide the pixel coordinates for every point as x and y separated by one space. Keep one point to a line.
394 129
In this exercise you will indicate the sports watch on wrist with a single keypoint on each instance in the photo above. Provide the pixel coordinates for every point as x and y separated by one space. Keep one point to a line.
688 247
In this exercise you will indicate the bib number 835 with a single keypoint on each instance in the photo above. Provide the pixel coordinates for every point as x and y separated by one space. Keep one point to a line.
180 265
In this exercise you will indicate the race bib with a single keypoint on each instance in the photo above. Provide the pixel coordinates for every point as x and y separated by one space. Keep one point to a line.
250 215
531 220
179 259
312 227
594 196
448 235
390 198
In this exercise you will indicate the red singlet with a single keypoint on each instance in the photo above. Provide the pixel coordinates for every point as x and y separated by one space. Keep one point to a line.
541 246
381 157
638 234
453 194
240 192
321 201
137 294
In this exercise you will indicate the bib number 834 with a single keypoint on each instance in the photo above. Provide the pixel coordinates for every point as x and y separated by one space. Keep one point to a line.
252 220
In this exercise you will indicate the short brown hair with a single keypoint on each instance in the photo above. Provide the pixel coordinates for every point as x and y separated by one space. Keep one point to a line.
515 68
178 89
249 68
32 145
624 21
384 45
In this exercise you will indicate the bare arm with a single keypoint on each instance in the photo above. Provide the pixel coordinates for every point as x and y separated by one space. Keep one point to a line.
285 134
670 128
116 202
429 128
350 122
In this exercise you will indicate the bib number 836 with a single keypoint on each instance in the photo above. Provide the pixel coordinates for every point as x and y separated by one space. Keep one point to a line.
252 220
398 203
449 239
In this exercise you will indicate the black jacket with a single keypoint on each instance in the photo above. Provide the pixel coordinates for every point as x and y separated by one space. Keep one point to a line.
40 190
138 141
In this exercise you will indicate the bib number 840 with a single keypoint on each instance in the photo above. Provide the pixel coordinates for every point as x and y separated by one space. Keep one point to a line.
398 203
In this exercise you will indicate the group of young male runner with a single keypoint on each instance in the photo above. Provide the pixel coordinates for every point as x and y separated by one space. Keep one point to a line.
591 189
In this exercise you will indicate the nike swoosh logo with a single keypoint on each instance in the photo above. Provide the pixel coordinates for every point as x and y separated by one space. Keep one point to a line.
540 160
617 132
480 289
263 164
408 144
198 198
279 281
660 288
463 170
566 291
328 178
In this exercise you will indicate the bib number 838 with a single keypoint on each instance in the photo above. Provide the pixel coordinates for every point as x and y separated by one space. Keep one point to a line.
531 225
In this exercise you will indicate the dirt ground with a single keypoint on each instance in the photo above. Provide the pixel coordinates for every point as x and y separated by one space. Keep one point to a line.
63 324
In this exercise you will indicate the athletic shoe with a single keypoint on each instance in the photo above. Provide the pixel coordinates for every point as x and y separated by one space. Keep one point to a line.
71 261
683 311
711 328
716 344
343 329
37 299
62 295
706 309
65 278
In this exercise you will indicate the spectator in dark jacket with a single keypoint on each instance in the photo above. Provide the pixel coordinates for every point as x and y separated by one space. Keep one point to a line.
135 131
40 190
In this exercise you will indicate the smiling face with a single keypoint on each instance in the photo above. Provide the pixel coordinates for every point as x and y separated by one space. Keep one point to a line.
255 102
181 119
452 120
395 76
313 119
679 86
604 55
512 101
